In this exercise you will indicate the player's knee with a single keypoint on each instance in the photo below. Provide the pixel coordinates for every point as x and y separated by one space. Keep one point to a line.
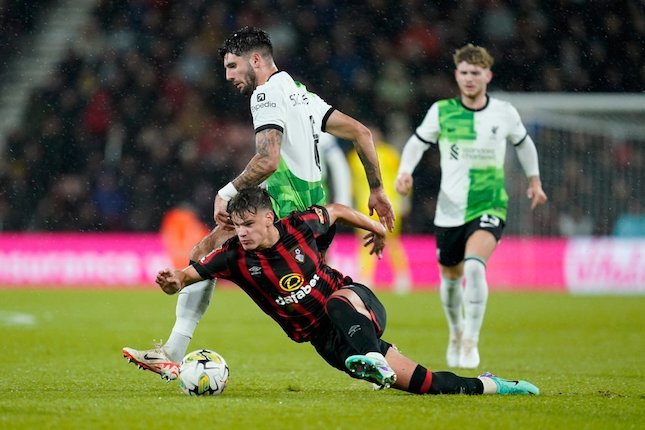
336 305
474 268
452 273
351 298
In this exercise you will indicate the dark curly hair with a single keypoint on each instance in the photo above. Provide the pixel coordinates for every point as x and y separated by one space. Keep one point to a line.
245 40
249 200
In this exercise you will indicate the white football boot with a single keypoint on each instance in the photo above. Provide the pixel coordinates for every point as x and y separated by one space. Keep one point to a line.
154 360
454 350
469 354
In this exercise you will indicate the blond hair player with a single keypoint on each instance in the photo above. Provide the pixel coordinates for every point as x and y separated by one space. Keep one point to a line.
471 132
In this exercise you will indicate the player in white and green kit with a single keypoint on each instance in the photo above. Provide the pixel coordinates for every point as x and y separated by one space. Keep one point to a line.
285 105
471 133
288 122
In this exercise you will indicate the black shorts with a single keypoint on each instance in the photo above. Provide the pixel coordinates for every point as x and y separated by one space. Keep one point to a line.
330 342
451 241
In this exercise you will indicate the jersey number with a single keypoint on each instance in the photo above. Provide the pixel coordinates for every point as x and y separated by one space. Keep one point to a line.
488 221
316 139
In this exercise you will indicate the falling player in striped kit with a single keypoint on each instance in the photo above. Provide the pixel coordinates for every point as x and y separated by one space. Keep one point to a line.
471 133
288 121
278 263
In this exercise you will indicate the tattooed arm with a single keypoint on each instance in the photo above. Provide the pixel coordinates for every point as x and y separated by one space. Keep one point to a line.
346 127
260 167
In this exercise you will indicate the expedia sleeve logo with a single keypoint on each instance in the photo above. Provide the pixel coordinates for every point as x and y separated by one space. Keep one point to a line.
262 104
261 97
294 283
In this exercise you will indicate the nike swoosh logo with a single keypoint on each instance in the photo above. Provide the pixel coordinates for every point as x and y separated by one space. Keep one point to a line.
147 357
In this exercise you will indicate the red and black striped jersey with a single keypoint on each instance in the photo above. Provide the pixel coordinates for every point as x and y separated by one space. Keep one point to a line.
290 281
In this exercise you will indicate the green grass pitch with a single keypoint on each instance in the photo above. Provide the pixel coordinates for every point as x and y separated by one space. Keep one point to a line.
62 366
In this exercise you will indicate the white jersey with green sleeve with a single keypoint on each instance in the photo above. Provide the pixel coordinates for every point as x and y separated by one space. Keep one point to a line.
472 144
285 105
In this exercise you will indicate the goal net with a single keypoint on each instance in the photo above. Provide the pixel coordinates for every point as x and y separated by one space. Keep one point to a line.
592 162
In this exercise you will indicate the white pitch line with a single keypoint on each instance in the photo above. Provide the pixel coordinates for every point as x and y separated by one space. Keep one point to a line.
9 318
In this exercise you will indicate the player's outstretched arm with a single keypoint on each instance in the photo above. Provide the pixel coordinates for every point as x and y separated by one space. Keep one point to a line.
171 281
346 127
380 203
410 157
403 184
535 192
528 156
356 219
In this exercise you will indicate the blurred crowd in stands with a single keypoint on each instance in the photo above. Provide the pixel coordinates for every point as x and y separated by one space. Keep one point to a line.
594 184
17 21
138 118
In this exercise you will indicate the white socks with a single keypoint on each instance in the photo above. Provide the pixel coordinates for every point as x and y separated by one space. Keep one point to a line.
451 297
490 387
475 297
192 302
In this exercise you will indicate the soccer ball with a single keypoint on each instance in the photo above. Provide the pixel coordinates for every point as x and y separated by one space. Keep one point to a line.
203 373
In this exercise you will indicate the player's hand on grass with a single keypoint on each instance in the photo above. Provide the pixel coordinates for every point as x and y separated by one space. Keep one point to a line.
379 202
